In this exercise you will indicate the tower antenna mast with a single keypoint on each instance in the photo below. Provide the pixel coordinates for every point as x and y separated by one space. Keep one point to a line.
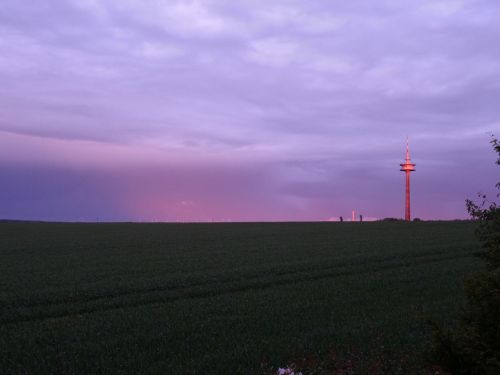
407 167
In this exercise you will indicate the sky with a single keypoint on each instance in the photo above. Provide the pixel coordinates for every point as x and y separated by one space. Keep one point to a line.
227 110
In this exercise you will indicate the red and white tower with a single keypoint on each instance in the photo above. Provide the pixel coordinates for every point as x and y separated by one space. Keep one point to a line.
407 167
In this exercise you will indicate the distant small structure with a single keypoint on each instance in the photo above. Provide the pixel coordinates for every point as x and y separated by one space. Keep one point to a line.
361 218
341 219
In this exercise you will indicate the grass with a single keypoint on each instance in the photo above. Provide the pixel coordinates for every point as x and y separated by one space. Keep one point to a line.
219 298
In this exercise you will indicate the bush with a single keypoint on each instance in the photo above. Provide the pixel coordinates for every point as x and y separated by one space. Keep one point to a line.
474 347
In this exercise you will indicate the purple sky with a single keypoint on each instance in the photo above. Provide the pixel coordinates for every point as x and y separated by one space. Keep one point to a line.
245 110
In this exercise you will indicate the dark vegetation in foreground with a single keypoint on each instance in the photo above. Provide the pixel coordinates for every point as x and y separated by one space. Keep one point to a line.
473 346
223 298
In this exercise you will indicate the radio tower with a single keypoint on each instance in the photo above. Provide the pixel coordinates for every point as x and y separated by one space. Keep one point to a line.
407 167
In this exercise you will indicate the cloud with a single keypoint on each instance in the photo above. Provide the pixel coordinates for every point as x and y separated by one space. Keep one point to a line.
313 90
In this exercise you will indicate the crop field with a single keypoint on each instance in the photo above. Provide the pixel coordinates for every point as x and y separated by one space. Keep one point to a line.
220 298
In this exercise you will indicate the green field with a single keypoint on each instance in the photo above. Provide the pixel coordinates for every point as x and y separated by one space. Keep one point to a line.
219 298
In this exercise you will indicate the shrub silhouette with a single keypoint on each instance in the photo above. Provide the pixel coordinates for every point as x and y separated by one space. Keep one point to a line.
474 346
